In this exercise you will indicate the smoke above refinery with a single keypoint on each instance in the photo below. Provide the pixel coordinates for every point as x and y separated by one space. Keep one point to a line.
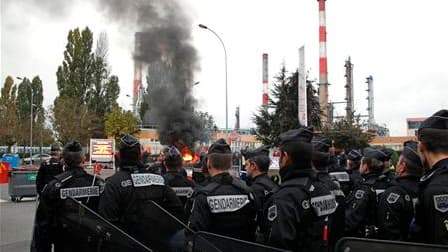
162 46
163 52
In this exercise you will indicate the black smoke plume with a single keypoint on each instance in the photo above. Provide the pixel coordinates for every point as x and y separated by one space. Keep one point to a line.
164 46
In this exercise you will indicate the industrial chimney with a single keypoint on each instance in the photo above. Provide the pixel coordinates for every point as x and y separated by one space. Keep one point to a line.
136 95
265 73
323 72
370 99
349 89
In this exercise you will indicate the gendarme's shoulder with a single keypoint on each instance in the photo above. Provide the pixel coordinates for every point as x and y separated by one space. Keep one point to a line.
290 192
394 189
118 177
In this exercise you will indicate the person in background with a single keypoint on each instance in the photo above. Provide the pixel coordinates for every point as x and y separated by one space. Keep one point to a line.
297 213
322 161
49 168
128 196
396 205
174 177
60 212
353 162
209 214
361 203
257 166
431 217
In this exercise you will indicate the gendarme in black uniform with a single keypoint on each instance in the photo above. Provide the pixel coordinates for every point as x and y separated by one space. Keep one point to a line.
354 157
261 184
432 208
322 162
175 176
226 205
396 208
63 214
360 213
127 195
257 167
297 213
396 205
49 169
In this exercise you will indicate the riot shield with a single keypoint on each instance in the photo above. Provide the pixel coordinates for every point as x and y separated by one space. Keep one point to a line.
204 241
95 233
370 245
179 237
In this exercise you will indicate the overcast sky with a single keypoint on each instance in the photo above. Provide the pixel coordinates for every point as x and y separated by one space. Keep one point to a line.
402 44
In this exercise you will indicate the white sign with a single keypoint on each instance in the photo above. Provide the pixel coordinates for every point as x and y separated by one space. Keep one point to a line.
102 150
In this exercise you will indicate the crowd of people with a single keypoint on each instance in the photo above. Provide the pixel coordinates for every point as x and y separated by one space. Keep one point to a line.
316 203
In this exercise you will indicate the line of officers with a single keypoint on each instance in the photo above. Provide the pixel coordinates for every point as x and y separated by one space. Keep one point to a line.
316 203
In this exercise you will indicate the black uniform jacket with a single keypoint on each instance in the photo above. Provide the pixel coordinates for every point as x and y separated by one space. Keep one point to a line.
337 219
432 208
262 186
122 197
47 171
361 206
355 178
297 213
179 183
226 206
63 214
396 208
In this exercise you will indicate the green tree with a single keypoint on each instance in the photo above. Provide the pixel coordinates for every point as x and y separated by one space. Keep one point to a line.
313 107
208 125
8 113
72 120
76 74
105 89
120 122
281 114
84 79
24 109
348 134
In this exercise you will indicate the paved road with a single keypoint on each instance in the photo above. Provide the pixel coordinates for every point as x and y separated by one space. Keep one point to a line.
16 220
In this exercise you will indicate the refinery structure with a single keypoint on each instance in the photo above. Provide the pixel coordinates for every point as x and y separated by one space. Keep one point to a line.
163 65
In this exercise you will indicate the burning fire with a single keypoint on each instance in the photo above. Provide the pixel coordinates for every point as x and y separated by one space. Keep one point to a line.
188 156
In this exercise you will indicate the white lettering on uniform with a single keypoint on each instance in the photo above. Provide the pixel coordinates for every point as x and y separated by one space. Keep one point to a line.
340 176
126 183
324 205
80 192
183 191
146 179
227 203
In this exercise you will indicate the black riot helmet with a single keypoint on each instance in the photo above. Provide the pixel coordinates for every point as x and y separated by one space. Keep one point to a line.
173 157
73 154
130 151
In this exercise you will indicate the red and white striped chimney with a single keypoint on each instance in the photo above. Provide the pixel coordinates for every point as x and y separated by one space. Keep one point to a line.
323 72
137 74
265 97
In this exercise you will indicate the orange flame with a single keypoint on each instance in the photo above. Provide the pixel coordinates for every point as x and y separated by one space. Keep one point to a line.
188 156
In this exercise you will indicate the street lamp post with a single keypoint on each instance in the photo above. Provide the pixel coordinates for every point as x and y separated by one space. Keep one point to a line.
225 65
31 119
